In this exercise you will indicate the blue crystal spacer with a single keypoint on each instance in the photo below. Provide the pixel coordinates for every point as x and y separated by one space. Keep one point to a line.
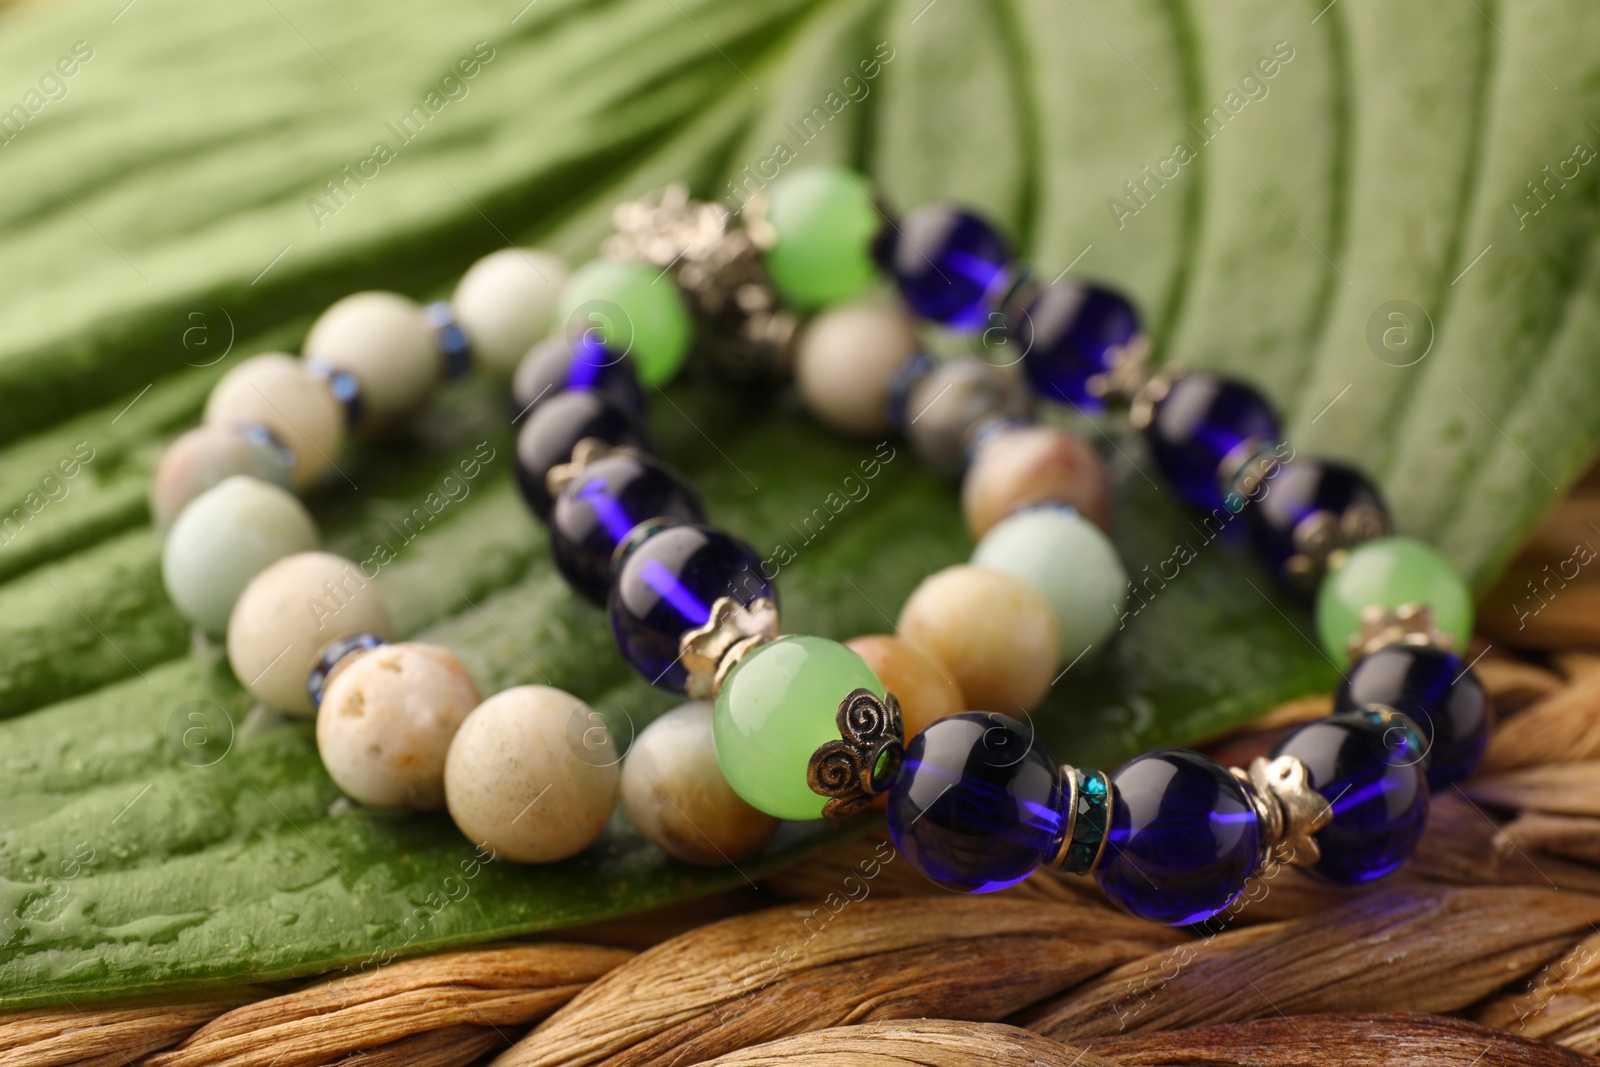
332 656
452 340
343 385
1087 800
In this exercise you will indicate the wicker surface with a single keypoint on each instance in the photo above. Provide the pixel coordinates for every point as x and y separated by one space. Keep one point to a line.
1485 949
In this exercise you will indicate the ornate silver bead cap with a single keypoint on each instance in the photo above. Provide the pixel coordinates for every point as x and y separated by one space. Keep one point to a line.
586 451
714 649
1409 624
717 263
1290 812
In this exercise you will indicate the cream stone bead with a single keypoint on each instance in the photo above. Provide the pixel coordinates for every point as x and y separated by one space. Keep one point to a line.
953 400
382 341
506 303
925 687
996 633
224 539
203 457
677 796
288 614
276 391
1019 466
524 778
845 360
386 722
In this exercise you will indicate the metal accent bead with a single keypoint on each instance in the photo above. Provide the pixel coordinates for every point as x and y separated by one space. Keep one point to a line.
335 657
588 450
1133 380
717 264
853 770
732 632
1410 624
1290 812
454 345
1087 800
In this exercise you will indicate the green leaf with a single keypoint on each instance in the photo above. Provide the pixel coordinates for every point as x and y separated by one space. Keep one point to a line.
171 214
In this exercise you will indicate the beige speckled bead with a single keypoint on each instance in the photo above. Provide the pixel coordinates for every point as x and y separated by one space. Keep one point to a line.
288 614
517 781
278 392
950 402
203 457
506 303
386 722
925 687
382 341
845 360
1023 465
996 633
677 796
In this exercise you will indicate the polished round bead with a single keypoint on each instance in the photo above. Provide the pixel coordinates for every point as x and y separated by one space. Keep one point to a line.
1370 769
528 778
952 267
977 806
775 709
1069 333
1183 840
952 400
846 360
823 221
1020 465
667 584
278 392
288 613
1391 572
1072 563
995 632
574 363
225 538
1202 421
204 456
384 342
386 720
506 302
631 314
678 797
598 508
549 435
926 688
1437 691
1293 498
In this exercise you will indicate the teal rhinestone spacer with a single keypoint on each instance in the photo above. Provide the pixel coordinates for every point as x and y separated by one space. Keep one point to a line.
1087 799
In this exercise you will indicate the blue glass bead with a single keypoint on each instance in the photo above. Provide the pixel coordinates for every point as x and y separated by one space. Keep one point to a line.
1438 692
1371 773
452 341
546 440
597 509
1069 333
1201 421
1293 493
577 362
665 586
976 806
1184 838
951 266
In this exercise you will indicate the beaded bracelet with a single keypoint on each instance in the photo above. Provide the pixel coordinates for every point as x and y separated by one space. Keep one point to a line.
804 726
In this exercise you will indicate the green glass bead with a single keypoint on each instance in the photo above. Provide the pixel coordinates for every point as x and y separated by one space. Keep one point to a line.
634 310
774 709
1394 572
825 221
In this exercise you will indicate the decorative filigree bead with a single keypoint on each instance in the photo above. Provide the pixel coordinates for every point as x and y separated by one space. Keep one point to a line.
733 630
862 763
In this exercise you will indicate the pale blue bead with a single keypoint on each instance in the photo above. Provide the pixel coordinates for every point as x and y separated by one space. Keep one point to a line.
1067 558
224 538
